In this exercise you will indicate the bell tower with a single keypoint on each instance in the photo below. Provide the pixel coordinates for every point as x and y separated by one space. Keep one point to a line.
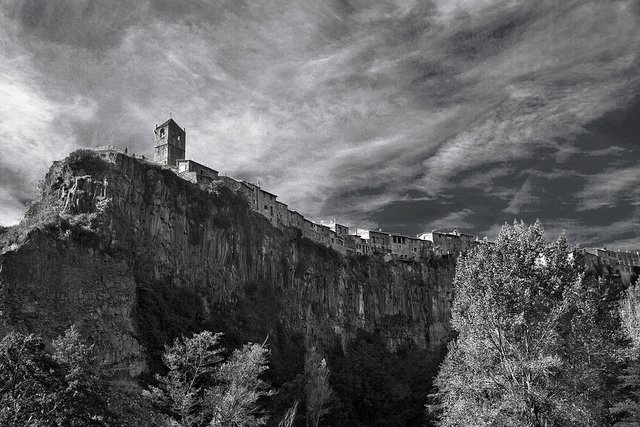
170 143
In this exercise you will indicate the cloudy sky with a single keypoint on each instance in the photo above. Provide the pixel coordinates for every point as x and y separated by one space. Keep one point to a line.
402 115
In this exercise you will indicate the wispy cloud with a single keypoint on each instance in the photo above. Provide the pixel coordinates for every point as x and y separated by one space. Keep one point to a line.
610 187
344 108
454 220
524 198
34 129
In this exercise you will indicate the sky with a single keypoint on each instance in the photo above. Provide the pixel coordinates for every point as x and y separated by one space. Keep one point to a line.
403 115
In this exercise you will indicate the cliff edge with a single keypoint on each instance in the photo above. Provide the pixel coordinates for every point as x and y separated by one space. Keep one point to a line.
134 255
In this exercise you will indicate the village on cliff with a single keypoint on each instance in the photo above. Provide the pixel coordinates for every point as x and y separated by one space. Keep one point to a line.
170 150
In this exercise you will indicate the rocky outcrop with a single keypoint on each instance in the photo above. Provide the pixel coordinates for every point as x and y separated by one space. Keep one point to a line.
134 254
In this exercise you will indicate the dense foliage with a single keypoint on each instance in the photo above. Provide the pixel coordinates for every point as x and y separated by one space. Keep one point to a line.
538 339
628 405
66 387
59 389
377 387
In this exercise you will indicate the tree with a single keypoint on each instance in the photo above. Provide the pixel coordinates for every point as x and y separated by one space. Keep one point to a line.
200 389
234 400
628 406
191 363
537 336
59 389
289 416
28 377
81 397
317 388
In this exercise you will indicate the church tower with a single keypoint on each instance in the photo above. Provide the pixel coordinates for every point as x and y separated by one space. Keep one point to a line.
170 143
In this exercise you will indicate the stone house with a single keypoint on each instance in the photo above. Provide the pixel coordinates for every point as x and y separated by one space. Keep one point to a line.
282 214
195 172
380 242
357 245
337 242
445 243
296 220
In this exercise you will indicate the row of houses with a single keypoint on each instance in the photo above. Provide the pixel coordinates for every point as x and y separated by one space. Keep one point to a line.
344 240
169 136
341 238
337 236
625 264
170 142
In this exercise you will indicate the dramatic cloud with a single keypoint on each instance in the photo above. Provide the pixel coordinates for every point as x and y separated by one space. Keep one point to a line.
610 188
406 115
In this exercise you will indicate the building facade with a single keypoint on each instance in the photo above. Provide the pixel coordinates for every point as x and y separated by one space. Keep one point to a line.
195 172
170 143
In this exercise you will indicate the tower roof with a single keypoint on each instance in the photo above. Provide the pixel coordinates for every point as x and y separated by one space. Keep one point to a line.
169 122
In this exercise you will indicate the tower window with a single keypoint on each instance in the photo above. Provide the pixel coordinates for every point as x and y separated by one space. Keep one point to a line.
161 132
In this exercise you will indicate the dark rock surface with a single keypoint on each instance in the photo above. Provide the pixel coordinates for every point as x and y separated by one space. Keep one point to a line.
135 255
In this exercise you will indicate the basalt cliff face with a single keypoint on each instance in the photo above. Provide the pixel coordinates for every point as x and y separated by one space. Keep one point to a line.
134 255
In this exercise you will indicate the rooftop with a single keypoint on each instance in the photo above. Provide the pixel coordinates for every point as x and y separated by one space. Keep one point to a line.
169 122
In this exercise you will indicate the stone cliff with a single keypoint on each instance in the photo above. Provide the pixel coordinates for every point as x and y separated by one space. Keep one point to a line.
134 256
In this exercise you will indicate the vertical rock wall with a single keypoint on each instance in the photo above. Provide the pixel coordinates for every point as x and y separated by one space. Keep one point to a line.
110 231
